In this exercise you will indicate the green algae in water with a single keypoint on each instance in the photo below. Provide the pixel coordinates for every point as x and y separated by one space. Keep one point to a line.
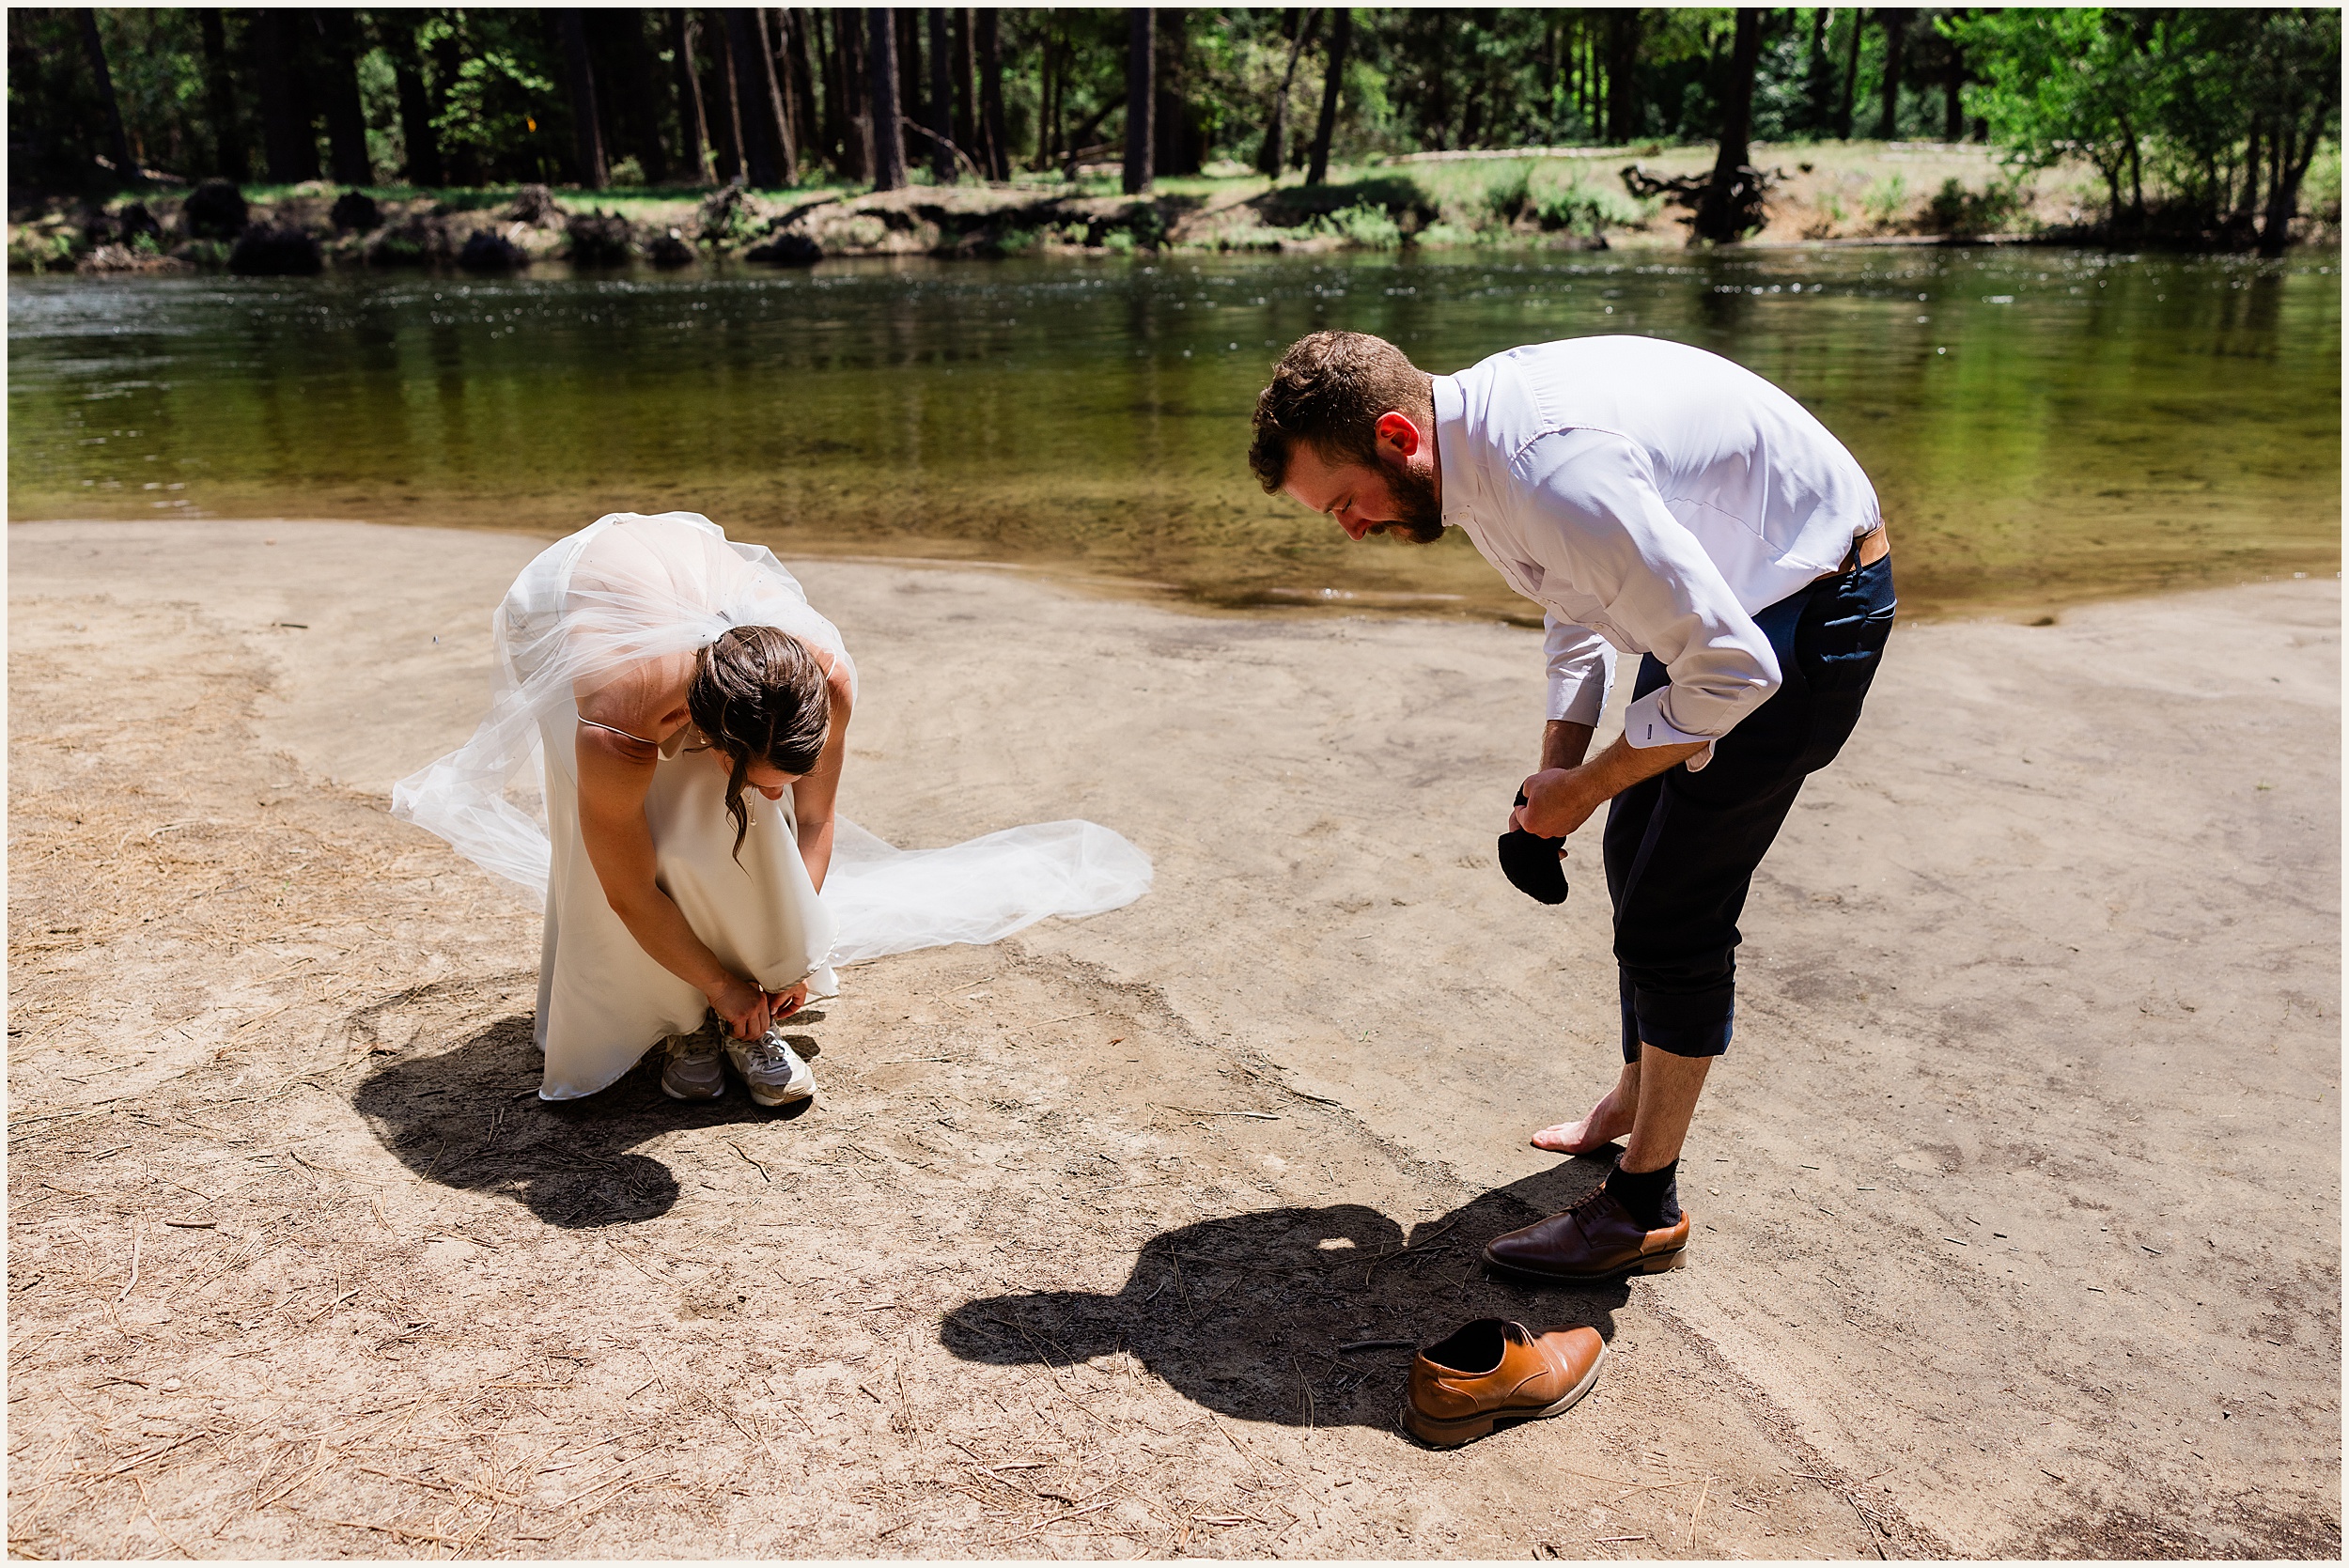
2043 426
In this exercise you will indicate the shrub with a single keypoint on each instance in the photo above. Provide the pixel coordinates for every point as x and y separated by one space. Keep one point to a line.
599 239
1587 211
356 210
726 218
1886 201
213 210
266 252
1507 193
1954 210
135 223
488 251
1366 224
535 205
786 248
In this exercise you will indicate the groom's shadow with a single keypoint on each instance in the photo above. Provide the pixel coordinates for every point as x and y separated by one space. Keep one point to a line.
469 1118
1248 1315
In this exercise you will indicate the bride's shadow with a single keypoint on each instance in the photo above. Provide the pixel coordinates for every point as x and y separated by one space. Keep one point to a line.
469 1118
1247 1315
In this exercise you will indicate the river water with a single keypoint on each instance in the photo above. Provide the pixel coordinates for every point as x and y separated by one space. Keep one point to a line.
2043 426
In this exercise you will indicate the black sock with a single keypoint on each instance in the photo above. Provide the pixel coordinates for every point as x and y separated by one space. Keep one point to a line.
1651 1197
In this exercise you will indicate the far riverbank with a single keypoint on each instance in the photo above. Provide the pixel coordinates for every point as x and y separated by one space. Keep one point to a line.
1528 199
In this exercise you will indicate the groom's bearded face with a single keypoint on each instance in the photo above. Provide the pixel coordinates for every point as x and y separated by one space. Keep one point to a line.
1367 498
1417 515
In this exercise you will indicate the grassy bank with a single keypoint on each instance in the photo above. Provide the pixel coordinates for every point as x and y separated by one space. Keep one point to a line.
1557 198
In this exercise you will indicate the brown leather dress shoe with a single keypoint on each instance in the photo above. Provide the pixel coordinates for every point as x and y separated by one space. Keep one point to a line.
1496 1370
1597 1239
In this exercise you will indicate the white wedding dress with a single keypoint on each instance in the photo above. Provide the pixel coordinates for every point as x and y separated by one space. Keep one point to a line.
629 588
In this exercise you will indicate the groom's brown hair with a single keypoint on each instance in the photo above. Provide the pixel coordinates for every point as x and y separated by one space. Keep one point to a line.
1328 392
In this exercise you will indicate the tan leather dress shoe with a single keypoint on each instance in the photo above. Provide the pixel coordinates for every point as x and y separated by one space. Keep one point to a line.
1597 1239
1493 1371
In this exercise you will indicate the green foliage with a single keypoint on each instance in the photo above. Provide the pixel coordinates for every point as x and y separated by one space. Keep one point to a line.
1886 201
1508 191
2177 109
1366 225
503 94
1993 209
1589 210
2171 98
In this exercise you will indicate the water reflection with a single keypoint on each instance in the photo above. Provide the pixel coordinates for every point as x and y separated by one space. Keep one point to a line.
2043 424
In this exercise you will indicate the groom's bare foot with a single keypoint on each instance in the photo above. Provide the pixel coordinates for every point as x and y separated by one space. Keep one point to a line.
1608 1120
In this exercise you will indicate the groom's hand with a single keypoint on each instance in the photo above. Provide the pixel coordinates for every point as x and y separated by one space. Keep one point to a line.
1555 804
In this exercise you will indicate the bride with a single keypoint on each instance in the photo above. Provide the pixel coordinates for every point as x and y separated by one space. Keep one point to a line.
688 714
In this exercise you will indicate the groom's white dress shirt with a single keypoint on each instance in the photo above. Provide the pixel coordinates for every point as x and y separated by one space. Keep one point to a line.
1649 496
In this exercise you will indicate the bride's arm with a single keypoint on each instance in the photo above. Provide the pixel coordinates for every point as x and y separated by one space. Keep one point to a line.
814 796
614 776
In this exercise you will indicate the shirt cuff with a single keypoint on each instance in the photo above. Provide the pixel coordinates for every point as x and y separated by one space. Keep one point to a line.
1644 725
1580 696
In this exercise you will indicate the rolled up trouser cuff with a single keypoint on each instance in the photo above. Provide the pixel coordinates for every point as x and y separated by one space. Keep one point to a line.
1684 1023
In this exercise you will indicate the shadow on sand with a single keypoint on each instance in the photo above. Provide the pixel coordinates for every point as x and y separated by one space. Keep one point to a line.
1247 1315
469 1118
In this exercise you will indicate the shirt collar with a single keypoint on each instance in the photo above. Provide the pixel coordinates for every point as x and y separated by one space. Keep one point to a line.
1451 447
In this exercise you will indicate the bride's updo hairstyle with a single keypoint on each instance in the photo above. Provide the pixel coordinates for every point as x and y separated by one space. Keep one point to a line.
759 695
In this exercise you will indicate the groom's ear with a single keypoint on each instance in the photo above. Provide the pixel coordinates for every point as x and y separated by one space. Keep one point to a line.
1397 433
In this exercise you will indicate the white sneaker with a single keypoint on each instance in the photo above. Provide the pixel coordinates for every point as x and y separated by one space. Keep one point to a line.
771 1070
693 1068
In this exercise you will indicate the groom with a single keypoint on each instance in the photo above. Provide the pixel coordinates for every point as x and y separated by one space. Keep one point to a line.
1657 500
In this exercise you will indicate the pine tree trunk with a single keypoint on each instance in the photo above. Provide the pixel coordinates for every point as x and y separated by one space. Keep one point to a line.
1341 36
220 96
965 131
415 108
912 99
636 72
990 51
1730 204
731 164
1141 92
856 88
1175 145
586 132
693 124
778 99
118 141
346 118
758 142
1623 75
806 105
1895 33
942 104
289 144
1272 157
889 143
1818 85
1851 78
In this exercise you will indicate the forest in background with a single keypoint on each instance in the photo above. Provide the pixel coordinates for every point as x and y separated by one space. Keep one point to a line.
2202 125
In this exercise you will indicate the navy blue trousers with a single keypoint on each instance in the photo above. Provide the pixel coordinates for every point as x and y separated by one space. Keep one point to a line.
1681 847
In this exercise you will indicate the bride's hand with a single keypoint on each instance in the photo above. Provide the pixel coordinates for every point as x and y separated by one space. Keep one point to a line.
746 1008
782 1004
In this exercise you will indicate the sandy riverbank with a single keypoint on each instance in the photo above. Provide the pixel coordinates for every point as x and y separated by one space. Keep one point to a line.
2018 1196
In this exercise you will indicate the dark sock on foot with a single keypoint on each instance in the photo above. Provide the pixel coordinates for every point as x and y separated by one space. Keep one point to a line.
1651 1197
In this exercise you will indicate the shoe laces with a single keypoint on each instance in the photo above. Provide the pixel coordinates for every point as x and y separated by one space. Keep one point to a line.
769 1050
692 1048
1591 1199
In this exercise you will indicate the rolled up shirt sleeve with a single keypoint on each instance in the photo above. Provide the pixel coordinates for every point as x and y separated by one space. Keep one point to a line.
1581 669
1615 539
